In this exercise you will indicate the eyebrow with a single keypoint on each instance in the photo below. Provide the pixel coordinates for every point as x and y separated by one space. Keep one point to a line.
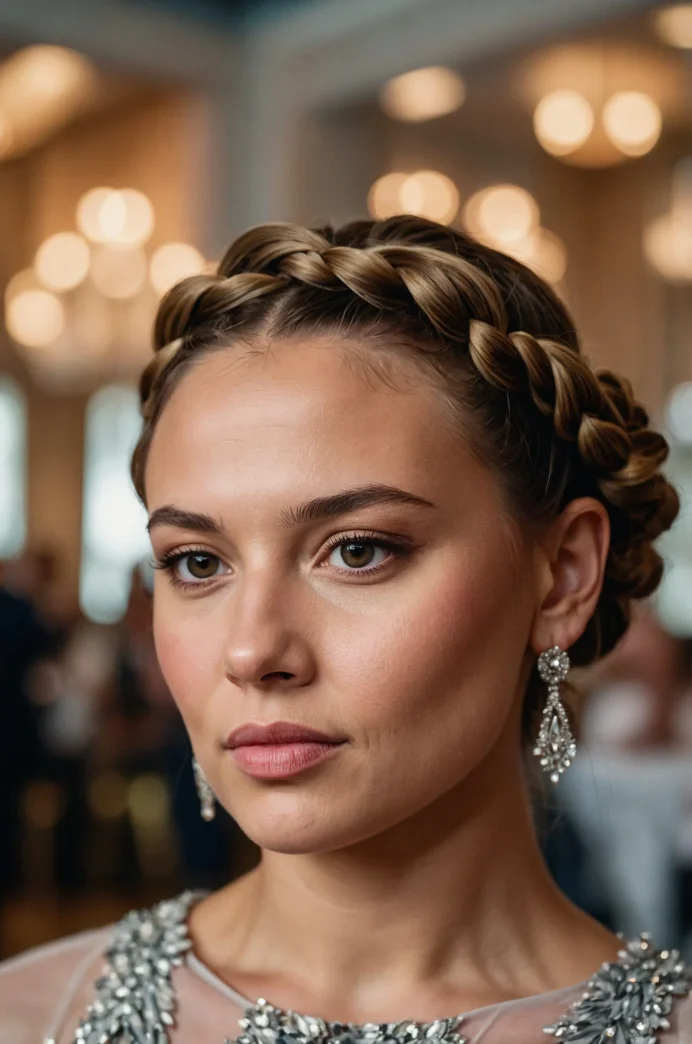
311 511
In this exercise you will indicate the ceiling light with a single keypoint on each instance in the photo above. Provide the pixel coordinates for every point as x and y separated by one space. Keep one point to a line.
430 194
632 121
172 262
674 24
62 261
384 197
668 247
562 121
116 216
502 213
41 87
423 94
35 318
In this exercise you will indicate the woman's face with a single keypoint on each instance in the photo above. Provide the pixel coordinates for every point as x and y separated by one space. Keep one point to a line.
399 625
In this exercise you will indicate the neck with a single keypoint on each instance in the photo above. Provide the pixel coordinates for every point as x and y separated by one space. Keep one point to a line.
454 904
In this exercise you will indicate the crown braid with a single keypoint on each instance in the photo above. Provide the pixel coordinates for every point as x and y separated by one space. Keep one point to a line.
471 311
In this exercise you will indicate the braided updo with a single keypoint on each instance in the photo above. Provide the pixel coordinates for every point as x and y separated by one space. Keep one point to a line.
495 338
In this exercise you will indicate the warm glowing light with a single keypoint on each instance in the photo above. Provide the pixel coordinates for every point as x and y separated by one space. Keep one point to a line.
632 121
384 197
118 272
504 214
116 216
423 94
41 87
562 121
62 261
172 262
674 24
427 193
668 247
544 252
35 318
24 280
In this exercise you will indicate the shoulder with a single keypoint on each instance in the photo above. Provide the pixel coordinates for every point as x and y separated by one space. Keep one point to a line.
37 984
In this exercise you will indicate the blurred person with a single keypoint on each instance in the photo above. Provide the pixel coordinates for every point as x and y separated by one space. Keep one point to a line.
630 793
387 494
145 733
25 638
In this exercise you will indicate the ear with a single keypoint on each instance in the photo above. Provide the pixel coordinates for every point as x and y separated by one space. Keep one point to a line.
571 557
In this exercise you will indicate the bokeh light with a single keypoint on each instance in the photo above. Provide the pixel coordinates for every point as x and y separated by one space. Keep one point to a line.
384 197
502 213
423 94
118 272
632 120
35 318
674 24
172 262
122 217
430 194
562 121
544 252
62 261
668 248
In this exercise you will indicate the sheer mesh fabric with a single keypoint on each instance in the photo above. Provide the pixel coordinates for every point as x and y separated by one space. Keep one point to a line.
45 992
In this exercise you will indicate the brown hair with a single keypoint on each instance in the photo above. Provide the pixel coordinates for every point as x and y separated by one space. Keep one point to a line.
496 338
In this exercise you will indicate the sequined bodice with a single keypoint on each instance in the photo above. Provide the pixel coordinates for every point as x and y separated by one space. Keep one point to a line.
627 1001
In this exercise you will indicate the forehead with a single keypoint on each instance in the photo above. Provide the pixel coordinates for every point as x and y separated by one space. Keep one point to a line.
298 413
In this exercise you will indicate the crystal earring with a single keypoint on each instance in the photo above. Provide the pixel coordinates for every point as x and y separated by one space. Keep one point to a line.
555 745
204 791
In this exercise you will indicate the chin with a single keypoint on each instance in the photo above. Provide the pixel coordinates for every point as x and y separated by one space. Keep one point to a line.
291 824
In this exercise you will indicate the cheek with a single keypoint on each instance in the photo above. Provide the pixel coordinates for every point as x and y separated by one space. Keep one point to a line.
189 644
438 670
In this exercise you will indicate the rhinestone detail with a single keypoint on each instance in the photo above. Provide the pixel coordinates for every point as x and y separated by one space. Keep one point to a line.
627 1001
555 745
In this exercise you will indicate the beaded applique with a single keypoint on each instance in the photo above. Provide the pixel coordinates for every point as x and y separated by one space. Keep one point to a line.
627 1001
135 1001
265 1024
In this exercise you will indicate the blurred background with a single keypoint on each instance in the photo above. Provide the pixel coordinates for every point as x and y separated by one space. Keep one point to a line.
136 139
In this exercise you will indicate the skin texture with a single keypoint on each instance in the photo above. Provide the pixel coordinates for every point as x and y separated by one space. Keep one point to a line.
406 866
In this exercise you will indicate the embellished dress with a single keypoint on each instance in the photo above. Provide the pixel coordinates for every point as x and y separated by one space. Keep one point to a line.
140 982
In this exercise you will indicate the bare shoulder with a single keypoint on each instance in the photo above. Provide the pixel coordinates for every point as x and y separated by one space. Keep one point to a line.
36 985
681 1020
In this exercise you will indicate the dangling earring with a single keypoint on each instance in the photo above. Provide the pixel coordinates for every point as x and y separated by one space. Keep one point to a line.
204 791
555 745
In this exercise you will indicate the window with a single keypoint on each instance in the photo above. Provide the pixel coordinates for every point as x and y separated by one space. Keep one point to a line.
114 521
12 468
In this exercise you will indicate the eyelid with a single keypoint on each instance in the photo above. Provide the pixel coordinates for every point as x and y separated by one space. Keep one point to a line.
398 547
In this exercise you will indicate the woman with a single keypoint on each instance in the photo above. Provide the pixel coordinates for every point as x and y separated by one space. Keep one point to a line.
389 503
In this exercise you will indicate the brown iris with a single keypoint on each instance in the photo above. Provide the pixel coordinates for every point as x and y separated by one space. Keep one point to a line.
357 551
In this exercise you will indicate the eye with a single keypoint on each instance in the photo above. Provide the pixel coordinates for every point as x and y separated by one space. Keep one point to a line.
362 553
191 568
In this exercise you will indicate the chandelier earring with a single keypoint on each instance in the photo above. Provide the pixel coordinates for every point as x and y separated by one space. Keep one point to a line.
555 744
205 793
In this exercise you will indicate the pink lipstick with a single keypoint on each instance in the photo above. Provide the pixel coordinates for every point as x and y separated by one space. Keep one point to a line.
280 750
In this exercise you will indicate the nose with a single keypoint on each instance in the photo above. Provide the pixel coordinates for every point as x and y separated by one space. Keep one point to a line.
266 645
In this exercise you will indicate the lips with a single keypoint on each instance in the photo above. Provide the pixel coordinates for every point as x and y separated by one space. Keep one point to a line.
278 732
281 750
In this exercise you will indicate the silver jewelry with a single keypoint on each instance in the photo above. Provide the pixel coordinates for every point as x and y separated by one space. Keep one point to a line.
205 793
555 745
627 1001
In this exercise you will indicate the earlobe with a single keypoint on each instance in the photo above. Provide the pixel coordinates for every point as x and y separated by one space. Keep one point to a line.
576 550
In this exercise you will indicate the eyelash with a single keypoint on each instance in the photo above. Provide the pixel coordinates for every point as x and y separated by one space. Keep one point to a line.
168 561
